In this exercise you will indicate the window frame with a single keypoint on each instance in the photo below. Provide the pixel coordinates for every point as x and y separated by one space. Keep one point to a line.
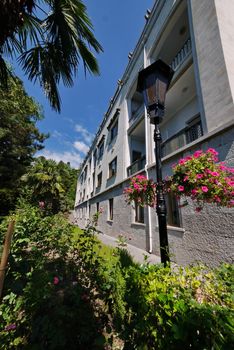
111 209
139 213
99 180
114 130
172 205
112 170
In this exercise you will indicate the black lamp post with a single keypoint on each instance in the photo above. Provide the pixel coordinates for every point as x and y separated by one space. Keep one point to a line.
153 82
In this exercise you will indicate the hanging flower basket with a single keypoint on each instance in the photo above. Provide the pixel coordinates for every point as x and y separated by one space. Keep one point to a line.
141 190
203 180
198 176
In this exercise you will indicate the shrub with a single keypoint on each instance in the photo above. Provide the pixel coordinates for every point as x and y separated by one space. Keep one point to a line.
64 290
179 309
47 303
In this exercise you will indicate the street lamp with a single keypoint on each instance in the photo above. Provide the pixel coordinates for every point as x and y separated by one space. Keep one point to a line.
153 82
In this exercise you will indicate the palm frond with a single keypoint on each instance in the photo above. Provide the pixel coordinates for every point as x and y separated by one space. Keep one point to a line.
5 73
58 43
31 31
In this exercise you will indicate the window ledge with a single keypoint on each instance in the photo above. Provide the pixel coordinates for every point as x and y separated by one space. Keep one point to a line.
138 224
175 228
111 177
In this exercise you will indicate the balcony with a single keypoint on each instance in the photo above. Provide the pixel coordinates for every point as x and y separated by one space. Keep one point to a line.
190 133
182 55
137 113
136 166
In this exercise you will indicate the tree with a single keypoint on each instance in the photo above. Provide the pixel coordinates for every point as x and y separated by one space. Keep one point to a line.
19 140
50 185
49 44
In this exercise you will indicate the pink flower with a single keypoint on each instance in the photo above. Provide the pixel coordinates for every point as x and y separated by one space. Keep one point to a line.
214 173
231 202
194 191
204 189
56 280
182 161
197 154
212 151
188 158
10 327
181 188
198 209
186 178
217 199
199 176
41 204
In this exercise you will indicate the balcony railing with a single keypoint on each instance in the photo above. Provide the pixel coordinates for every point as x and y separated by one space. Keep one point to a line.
192 132
136 166
181 55
137 113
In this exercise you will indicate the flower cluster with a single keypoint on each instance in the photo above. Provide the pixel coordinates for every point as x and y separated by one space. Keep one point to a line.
201 178
141 190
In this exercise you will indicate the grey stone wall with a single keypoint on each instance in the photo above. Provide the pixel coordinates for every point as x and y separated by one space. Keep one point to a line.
207 236
214 75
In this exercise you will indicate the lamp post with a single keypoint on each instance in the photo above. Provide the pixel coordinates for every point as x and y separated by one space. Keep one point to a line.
153 82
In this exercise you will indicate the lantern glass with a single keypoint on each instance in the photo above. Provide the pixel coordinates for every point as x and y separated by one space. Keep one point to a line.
153 82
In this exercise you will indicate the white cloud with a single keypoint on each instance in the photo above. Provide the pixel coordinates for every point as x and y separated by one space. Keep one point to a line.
73 158
86 135
81 146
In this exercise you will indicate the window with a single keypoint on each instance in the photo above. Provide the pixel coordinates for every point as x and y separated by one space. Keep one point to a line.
89 210
173 213
137 105
111 207
113 167
101 150
97 204
95 158
99 179
100 147
93 181
85 173
194 130
114 131
139 213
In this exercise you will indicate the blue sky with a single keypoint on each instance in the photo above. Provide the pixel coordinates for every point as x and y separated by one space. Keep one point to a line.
117 26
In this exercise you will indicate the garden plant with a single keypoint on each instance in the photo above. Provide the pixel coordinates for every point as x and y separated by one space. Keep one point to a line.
65 290
199 177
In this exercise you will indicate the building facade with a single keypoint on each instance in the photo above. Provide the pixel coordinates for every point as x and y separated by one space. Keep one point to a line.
197 39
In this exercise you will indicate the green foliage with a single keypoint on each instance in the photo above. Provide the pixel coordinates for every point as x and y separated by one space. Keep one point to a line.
65 290
182 308
49 44
19 140
48 303
50 185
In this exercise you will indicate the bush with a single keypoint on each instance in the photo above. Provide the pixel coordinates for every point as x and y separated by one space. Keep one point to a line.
179 309
65 290
47 303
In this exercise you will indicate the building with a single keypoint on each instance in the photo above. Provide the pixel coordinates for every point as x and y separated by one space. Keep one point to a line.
197 39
